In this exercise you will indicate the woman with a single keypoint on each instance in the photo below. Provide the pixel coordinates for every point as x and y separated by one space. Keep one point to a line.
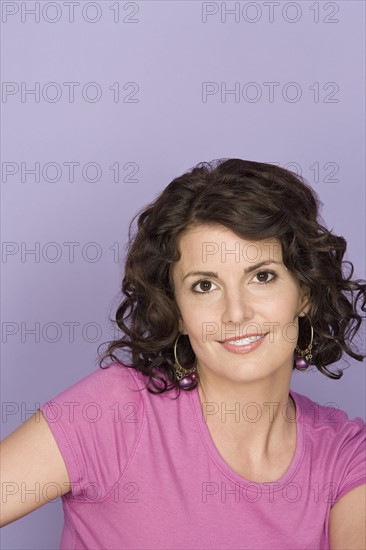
198 442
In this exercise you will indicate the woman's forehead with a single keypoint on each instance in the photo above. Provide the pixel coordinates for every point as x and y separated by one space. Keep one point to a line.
207 245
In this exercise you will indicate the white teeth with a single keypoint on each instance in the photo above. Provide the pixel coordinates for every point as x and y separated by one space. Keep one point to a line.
245 341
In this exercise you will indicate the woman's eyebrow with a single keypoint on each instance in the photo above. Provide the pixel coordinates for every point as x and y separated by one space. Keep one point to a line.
215 275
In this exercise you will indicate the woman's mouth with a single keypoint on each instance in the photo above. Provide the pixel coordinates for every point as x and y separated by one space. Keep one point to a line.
244 345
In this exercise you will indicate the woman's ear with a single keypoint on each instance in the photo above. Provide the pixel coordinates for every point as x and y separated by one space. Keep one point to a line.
304 299
181 325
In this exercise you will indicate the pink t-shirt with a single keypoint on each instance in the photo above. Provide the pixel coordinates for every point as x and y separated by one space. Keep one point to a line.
146 473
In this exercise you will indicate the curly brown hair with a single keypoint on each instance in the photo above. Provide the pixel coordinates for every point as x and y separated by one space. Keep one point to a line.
256 201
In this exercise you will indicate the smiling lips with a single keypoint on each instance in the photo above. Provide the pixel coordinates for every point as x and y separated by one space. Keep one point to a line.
242 340
243 345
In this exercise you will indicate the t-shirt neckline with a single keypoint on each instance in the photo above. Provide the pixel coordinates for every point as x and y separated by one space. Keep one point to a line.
225 468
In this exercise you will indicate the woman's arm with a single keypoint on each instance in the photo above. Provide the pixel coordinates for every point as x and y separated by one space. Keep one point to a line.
347 522
32 470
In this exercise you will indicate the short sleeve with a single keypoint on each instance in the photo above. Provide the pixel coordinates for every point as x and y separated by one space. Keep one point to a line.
350 468
96 424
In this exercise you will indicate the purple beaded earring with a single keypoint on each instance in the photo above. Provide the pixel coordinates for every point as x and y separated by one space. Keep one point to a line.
303 357
186 377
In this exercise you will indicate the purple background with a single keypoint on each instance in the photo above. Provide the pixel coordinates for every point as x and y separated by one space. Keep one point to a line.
169 51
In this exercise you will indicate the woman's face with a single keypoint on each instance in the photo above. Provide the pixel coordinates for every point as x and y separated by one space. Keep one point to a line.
248 293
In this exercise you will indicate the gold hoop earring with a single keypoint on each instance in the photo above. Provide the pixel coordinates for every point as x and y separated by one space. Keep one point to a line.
303 357
186 377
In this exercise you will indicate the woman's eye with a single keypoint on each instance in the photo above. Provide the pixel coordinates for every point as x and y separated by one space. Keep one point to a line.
204 286
262 276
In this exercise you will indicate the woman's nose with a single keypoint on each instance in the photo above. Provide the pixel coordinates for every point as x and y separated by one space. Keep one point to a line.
237 307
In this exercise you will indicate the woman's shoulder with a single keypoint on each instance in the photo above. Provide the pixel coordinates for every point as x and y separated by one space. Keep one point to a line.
330 417
97 422
336 441
111 378
101 391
